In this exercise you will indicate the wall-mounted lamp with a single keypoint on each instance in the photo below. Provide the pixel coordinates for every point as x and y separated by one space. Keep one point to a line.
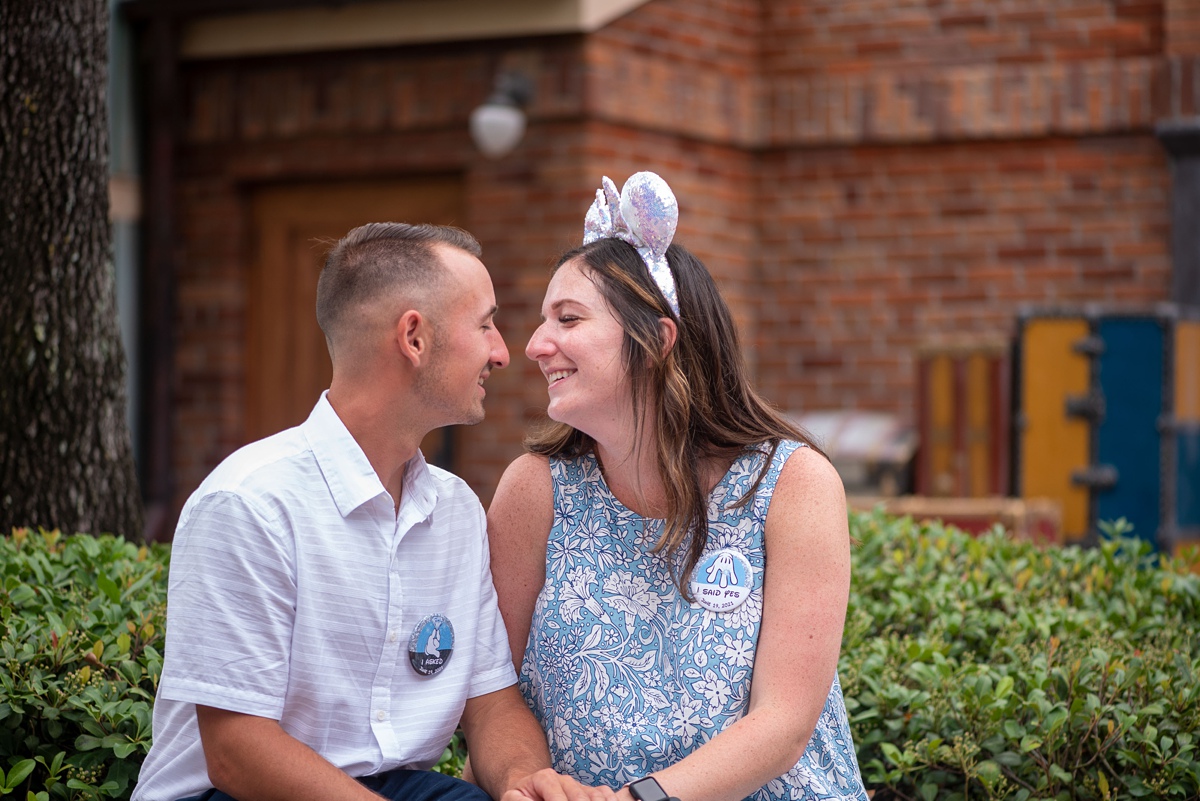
498 125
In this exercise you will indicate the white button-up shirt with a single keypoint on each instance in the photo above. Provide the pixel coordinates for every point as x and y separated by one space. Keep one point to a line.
294 590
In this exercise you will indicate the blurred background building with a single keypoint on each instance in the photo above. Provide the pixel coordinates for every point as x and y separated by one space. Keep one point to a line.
894 197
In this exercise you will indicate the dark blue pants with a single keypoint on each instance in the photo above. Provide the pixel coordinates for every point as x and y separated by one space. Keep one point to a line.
399 785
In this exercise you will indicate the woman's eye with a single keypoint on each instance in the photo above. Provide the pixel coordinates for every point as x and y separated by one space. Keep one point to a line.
567 318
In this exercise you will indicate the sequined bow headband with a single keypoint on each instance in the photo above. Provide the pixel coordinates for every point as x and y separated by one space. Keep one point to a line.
644 214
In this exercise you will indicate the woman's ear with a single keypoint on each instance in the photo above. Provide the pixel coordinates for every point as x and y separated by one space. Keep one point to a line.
668 332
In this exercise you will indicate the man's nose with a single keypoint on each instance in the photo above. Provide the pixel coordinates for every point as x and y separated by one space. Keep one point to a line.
499 355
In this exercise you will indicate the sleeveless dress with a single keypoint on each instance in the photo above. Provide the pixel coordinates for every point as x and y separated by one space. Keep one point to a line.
624 675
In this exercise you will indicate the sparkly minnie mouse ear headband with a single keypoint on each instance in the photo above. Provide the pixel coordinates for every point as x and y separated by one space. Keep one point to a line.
644 214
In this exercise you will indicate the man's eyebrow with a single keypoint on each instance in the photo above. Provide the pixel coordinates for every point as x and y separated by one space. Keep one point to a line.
490 313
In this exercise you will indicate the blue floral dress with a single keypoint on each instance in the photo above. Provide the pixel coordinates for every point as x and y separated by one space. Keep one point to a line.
625 676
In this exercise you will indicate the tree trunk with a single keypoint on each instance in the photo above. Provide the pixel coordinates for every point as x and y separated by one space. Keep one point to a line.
65 455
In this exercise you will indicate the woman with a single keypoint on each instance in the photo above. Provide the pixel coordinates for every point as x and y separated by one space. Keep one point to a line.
652 635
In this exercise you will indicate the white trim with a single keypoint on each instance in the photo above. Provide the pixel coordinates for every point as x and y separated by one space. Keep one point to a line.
396 22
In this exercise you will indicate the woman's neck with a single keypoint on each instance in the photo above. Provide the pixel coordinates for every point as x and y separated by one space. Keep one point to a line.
631 473
633 477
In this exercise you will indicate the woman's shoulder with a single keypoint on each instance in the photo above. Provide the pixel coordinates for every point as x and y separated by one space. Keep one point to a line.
770 455
525 474
799 459
524 500
807 477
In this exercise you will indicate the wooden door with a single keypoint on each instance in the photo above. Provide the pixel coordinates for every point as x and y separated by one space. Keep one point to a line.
1053 444
295 225
963 420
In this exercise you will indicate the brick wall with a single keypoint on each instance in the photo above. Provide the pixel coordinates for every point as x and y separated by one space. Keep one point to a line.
1183 27
934 166
868 251
859 175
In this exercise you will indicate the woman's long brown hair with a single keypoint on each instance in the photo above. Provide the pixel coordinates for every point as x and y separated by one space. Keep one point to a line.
706 405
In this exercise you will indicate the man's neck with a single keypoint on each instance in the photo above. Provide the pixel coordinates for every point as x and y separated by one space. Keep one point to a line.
384 440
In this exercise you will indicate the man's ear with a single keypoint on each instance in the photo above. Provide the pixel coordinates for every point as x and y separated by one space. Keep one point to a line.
413 337
668 331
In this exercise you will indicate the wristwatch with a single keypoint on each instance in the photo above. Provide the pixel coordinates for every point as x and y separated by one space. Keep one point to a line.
648 789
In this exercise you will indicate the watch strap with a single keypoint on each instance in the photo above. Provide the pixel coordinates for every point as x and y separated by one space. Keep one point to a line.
648 789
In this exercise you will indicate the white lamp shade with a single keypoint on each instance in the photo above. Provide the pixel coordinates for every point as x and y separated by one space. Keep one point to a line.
497 129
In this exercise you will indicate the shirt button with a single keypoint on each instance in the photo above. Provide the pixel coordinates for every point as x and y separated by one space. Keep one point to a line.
381 715
392 635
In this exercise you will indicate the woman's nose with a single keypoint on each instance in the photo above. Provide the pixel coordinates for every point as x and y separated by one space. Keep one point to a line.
539 344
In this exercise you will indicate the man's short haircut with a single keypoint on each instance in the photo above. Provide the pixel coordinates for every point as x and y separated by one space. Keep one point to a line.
379 258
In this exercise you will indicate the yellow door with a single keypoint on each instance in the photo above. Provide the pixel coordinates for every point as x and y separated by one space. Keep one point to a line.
1053 444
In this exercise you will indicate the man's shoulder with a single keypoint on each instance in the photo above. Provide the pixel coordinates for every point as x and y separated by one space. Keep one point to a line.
451 485
262 466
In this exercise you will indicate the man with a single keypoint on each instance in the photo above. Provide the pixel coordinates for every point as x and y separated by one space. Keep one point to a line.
331 616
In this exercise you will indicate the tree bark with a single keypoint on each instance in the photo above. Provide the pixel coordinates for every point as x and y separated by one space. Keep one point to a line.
65 455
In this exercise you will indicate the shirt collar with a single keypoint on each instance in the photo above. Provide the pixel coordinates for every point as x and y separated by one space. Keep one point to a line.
349 475
420 490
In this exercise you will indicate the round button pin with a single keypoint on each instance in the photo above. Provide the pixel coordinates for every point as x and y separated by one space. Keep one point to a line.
431 644
722 580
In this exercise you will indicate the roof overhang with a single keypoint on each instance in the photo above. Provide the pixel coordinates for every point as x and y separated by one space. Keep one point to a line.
381 24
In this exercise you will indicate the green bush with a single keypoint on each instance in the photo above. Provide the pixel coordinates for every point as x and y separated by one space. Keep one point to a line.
82 622
988 668
972 667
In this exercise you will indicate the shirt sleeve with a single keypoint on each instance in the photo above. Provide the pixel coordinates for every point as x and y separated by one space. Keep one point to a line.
230 608
493 661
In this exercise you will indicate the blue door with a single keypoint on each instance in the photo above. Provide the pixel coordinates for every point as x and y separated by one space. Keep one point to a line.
1128 438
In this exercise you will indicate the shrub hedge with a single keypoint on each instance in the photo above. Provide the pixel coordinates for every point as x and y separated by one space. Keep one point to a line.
972 667
988 668
81 643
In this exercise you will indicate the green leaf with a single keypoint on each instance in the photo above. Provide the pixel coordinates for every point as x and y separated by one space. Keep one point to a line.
113 740
124 750
929 791
1055 720
22 595
18 773
86 742
989 772
108 587
1062 775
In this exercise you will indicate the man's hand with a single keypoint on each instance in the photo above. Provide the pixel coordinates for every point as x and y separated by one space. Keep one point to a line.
509 757
546 785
